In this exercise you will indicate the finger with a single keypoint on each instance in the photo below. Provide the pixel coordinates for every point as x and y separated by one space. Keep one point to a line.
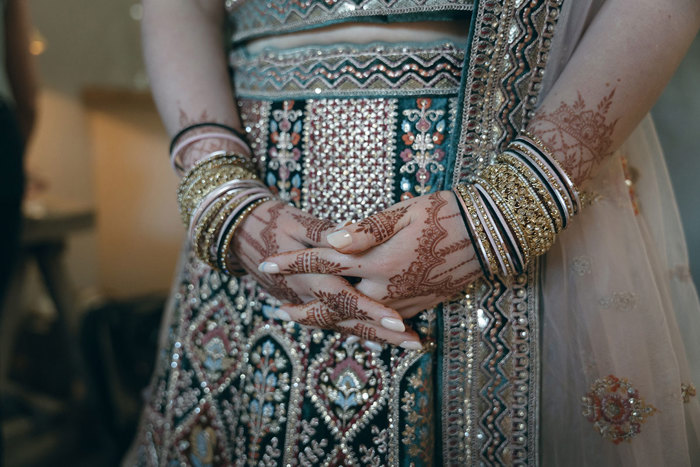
341 303
351 304
371 231
371 333
311 230
312 261
317 315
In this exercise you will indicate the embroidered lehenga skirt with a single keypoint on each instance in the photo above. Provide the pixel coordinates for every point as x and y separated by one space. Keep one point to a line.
344 131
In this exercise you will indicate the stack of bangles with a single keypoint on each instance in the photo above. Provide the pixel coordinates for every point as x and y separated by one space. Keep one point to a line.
514 208
216 196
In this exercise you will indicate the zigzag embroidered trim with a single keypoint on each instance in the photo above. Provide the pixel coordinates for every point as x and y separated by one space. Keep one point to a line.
374 69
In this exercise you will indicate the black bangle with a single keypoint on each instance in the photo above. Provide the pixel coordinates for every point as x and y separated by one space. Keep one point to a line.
179 134
482 262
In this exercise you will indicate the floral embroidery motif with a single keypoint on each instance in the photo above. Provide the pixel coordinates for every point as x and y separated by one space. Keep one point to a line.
351 386
213 344
202 441
417 404
265 395
616 409
621 301
687 392
581 265
283 167
423 134
370 456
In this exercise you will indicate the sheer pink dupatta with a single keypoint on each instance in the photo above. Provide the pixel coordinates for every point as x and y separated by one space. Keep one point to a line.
619 300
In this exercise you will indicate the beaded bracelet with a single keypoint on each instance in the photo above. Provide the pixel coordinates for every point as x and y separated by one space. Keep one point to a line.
480 256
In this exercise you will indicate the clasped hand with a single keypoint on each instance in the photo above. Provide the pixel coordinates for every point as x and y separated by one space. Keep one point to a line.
401 261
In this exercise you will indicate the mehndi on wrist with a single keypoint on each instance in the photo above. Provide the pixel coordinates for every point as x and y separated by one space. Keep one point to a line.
202 131
515 207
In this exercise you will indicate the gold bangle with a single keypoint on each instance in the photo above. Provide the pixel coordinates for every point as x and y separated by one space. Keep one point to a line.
529 211
522 245
218 160
201 231
538 187
208 179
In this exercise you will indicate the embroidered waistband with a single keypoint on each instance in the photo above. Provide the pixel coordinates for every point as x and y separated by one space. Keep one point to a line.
256 18
374 70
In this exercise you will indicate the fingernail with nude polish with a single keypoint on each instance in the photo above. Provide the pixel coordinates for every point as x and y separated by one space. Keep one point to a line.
268 267
411 345
393 324
351 339
339 239
282 315
373 346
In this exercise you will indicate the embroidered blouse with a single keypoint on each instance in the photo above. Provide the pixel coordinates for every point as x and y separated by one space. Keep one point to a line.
257 18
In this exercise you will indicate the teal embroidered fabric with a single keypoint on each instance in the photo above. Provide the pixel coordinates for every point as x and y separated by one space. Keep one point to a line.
250 18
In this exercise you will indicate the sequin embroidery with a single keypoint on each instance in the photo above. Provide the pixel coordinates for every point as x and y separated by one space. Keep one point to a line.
616 409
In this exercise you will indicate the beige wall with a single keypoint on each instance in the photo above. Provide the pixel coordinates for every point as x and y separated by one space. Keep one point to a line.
59 156
139 231
108 150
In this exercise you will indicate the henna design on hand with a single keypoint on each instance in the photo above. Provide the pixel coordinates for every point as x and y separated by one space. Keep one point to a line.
382 224
364 332
318 315
309 262
314 227
421 277
580 137
331 309
276 284
344 303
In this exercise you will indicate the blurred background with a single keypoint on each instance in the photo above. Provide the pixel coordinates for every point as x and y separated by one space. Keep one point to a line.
102 234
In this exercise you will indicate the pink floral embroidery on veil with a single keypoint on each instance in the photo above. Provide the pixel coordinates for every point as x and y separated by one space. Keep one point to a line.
615 408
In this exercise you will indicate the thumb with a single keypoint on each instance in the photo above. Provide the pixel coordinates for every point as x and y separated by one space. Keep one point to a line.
371 231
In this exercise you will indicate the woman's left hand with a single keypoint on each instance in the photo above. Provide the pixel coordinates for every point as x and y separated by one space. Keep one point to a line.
409 257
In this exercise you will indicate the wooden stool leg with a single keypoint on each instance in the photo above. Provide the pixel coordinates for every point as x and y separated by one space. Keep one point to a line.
11 316
49 257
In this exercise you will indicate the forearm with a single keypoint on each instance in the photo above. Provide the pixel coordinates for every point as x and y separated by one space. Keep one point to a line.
622 64
20 67
184 51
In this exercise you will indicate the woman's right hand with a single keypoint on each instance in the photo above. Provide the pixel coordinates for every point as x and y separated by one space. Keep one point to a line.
275 227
